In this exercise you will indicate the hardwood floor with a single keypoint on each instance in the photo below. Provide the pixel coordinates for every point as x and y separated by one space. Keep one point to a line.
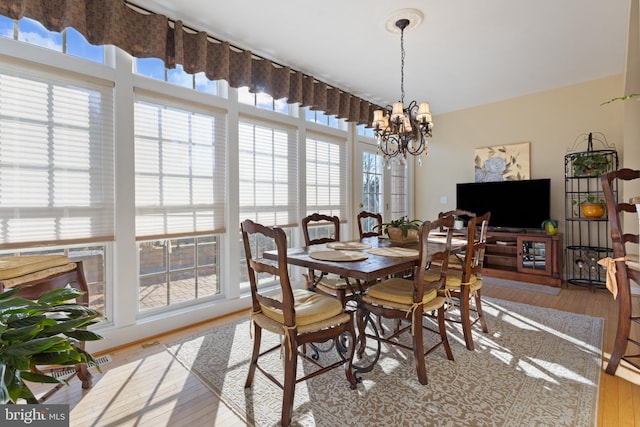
145 386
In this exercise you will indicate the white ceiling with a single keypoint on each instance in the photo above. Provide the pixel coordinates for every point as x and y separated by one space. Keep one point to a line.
465 52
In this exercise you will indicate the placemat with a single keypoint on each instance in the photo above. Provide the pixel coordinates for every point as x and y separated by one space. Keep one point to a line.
394 252
353 246
339 255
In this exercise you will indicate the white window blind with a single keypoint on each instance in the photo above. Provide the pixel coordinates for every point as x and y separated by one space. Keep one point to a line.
327 177
268 155
180 170
56 158
399 184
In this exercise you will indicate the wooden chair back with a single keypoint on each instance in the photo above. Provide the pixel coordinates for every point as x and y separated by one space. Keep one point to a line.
619 239
318 219
456 212
476 244
363 217
252 232
442 257
621 242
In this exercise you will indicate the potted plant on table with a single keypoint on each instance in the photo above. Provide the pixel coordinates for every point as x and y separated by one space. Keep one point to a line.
590 206
402 229
46 332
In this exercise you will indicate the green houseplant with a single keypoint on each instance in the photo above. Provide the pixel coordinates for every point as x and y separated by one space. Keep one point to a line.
402 228
589 164
49 331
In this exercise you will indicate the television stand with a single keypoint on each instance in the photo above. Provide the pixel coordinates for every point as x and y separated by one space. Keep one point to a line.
506 229
526 255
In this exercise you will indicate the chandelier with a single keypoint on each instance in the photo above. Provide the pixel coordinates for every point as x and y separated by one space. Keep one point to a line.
400 129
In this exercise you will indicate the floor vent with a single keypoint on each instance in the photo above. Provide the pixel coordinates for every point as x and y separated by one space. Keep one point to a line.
66 371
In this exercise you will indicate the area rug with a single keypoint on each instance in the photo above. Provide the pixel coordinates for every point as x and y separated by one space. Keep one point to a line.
521 286
536 366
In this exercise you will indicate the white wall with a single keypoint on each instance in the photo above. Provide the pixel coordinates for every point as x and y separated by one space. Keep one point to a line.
551 121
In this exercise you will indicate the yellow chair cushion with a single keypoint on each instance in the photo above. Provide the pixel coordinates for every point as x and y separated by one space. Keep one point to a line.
454 280
310 307
15 266
399 291
333 281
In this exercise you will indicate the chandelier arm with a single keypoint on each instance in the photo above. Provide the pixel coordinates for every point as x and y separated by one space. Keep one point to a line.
398 129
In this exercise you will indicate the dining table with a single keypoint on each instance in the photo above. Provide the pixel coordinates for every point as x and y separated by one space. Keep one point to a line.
381 257
365 261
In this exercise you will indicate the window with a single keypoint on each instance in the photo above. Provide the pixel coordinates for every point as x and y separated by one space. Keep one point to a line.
56 159
174 271
372 172
326 177
262 100
321 118
365 131
326 181
180 201
268 173
268 158
94 263
155 69
399 183
68 41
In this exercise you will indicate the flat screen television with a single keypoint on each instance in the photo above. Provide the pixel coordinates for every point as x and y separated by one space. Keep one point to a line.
513 204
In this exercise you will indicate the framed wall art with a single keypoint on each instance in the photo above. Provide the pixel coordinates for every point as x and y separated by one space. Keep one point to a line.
502 163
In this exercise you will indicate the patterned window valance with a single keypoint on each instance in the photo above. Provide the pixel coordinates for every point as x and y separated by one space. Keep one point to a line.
146 35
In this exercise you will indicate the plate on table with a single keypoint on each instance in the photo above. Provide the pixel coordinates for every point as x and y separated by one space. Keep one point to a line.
339 255
349 246
394 252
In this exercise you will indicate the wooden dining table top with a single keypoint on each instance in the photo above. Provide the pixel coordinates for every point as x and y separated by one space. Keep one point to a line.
372 268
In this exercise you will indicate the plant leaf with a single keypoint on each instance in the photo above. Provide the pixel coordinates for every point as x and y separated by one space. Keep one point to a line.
83 335
27 321
21 334
31 347
58 296
63 327
622 98
35 377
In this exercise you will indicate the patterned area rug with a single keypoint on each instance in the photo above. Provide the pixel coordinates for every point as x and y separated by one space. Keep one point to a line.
522 286
536 366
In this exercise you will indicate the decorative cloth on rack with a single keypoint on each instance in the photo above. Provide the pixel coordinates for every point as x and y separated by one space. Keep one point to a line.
610 264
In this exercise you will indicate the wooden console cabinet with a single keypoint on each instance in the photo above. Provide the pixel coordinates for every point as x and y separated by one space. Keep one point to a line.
527 256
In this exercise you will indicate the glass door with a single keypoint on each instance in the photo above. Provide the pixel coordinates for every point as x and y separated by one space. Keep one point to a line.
369 182
379 188
532 254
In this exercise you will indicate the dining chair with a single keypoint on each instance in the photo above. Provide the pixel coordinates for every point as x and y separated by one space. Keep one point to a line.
299 316
327 284
366 218
401 298
455 259
464 277
619 273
